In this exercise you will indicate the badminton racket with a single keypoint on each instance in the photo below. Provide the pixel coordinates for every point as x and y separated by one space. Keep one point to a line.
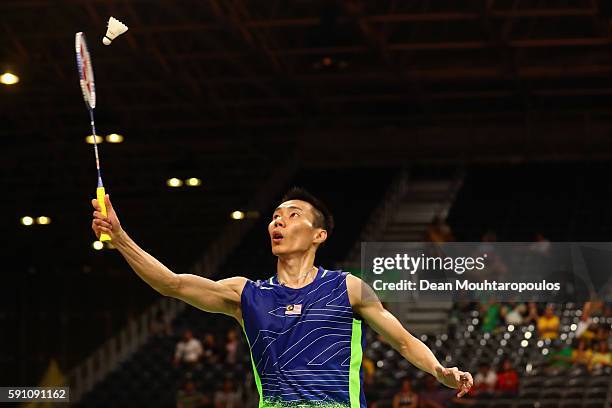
88 86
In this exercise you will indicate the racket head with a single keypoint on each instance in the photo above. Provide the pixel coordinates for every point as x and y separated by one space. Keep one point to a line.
85 68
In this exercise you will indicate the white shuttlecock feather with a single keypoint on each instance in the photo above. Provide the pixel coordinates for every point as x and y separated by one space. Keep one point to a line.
114 30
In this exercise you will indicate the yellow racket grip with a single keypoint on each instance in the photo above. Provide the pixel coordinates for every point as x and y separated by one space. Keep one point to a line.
100 193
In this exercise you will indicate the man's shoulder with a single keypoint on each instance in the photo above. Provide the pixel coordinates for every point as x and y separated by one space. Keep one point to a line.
258 283
331 274
235 283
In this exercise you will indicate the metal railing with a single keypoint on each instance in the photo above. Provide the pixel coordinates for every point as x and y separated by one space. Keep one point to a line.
118 348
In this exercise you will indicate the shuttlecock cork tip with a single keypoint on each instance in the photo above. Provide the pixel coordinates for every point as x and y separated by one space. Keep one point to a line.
114 30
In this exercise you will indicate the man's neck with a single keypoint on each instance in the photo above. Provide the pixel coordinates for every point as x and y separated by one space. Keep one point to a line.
296 271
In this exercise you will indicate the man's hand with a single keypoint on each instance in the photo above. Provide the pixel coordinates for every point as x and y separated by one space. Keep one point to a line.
106 224
453 378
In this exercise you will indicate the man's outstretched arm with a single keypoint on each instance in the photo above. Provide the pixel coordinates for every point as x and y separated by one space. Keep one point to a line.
366 304
212 296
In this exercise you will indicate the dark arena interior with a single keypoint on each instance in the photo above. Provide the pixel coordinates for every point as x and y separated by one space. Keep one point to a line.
441 121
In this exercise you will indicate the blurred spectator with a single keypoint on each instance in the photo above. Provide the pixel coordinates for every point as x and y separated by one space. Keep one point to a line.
435 396
132 322
607 310
228 397
488 237
160 326
532 314
585 329
597 308
548 325
485 381
369 369
439 231
603 333
211 350
507 380
490 313
541 245
513 313
188 351
231 347
602 357
495 266
373 392
189 397
561 359
583 354
586 308
406 398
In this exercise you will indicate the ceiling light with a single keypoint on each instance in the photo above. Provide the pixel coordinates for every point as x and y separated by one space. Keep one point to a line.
27 221
114 138
193 182
42 220
9 79
174 182
90 139
237 215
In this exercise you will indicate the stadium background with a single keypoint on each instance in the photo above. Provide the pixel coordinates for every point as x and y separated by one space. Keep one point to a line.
495 115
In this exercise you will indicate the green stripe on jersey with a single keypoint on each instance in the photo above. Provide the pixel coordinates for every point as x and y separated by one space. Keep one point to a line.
355 368
255 373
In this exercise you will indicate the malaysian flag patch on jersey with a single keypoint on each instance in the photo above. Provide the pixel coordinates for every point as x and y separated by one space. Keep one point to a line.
293 310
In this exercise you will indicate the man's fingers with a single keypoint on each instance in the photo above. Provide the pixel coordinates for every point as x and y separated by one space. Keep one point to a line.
107 200
94 202
104 224
466 382
98 215
470 380
462 390
95 229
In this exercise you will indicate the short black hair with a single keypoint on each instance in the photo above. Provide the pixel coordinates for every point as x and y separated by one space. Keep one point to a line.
323 218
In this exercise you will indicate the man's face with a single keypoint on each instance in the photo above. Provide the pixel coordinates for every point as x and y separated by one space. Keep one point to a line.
291 229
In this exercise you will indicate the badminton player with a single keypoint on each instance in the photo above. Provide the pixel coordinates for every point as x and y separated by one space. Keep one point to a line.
304 325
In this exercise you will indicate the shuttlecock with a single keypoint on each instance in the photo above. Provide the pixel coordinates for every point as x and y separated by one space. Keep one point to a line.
114 30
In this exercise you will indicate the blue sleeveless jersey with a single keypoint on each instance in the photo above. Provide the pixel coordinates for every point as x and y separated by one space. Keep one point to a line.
306 344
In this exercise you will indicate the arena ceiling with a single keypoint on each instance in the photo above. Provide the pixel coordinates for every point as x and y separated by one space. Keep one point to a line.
231 90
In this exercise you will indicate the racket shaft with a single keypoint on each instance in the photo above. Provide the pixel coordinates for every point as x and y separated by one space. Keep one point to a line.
100 193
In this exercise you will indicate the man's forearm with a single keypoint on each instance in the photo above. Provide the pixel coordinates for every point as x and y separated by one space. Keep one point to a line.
415 351
153 272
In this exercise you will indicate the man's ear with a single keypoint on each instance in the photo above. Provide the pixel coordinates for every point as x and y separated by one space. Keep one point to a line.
320 236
